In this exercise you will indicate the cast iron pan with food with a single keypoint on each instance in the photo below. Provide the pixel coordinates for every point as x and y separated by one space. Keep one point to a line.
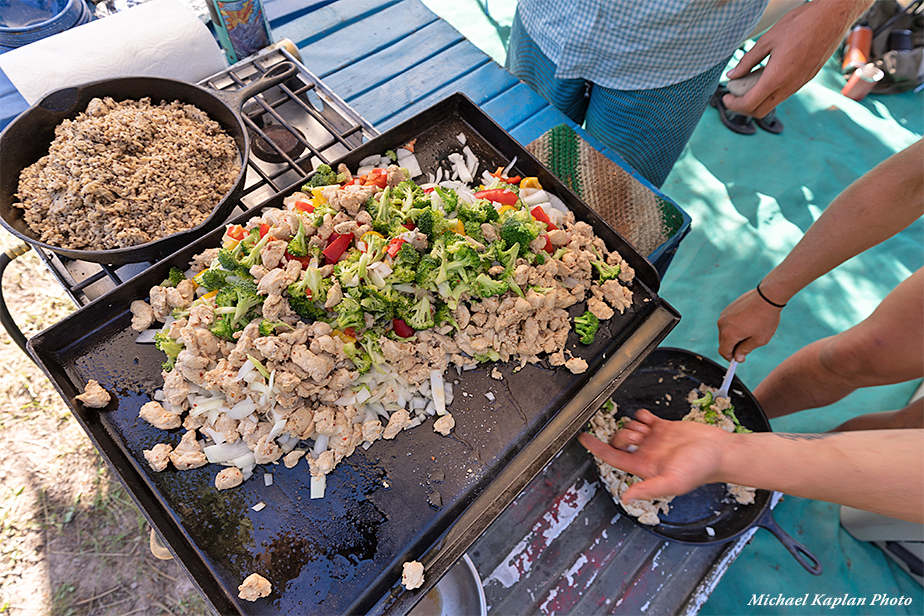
28 137
706 515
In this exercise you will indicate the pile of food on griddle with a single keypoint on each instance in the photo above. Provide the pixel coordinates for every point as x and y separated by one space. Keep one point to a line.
705 408
329 324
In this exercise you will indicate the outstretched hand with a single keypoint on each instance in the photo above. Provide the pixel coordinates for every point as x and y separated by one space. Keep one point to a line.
673 457
745 324
798 46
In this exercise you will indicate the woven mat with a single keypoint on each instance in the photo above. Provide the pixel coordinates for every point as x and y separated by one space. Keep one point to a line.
643 218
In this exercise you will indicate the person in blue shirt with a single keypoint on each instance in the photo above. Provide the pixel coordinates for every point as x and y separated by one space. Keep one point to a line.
638 75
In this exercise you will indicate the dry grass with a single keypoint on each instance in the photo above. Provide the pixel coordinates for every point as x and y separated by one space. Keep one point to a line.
72 541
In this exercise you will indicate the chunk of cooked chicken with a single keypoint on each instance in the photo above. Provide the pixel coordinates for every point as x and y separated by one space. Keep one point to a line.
159 417
412 575
444 424
230 477
188 454
94 395
398 421
142 315
255 586
158 456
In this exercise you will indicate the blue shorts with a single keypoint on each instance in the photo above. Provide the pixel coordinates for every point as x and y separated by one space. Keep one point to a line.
648 128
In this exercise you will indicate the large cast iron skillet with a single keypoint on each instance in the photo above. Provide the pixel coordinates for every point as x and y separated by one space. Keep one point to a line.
672 373
27 138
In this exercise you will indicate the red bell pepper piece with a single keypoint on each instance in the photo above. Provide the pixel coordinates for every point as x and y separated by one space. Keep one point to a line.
304 206
264 229
336 246
394 246
409 226
540 215
305 261
429 190
548 245
235 232
402 329
498 195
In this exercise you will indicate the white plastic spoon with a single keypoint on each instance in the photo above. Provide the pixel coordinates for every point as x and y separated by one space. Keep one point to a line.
726 382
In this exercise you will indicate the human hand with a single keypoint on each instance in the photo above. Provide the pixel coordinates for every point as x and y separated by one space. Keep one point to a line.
673 457
745 324
798 46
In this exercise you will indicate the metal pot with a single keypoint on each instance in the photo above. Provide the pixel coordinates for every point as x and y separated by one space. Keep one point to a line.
27 139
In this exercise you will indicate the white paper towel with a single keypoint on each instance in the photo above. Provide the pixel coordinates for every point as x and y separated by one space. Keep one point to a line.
160 38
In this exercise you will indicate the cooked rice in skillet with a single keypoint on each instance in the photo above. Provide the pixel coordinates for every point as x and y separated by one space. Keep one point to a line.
126 173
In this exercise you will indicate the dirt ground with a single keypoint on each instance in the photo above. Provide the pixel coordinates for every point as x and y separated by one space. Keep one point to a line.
72 541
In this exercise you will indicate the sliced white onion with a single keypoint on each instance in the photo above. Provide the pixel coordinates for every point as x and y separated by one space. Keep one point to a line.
276 430
535 198
509 167
471 161
410 163
345 400
490 396
242 409
320 444
246 369
267 479
259 506
226 452
369 161
363 170
245 462
318 484
362 395
147 336
460 167
461 137
217 436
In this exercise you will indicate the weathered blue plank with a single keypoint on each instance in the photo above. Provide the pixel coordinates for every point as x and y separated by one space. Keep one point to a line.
481 85
370 72
417 83
342 46
537 124
515 105
283 11
325 21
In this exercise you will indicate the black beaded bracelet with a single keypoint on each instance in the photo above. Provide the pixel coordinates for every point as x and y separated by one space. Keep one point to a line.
774 304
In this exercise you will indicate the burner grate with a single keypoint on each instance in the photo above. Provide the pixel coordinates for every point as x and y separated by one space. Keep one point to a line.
293 127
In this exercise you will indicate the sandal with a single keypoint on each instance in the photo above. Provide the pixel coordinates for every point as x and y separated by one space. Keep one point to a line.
737 122
770 123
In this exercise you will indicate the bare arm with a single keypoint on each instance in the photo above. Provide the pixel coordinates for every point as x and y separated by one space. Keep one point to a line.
798 45
872 209
879 470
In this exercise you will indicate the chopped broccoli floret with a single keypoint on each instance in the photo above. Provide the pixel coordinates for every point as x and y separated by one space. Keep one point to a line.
473 230
480 211
586 327
349 313
323 176
361 360
307 295
379 302
229 258
236 306
168 345
391 155
444 316
420 315
213 279
175 277
485 286
430 222
506 257
604 269
449 198
609 406
518 227
408 195
253 257
427 271
268 328
489 355
298 247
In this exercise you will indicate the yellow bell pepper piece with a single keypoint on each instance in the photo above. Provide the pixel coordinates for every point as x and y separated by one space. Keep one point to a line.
317 193
210 294
505 208
530 182
457 226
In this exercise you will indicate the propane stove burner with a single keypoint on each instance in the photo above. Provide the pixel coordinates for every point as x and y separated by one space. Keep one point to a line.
283 142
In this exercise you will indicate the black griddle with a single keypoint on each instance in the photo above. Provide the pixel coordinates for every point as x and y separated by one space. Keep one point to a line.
419 497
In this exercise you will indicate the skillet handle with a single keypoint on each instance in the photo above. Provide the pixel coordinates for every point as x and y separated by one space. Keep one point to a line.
273 77
799 551
6 319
